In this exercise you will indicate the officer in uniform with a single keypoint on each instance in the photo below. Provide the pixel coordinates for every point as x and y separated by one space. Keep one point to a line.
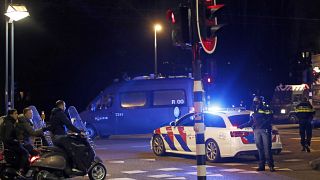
304 112
260 121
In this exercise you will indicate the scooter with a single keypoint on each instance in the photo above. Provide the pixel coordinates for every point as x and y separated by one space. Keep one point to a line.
54 163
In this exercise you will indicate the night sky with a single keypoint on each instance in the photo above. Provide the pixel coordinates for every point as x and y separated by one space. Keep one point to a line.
73 49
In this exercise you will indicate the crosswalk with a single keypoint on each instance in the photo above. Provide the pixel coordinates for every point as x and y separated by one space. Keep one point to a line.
185 172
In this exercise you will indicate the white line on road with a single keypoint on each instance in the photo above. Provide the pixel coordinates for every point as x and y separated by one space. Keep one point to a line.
249 172
284 169
161 176
177 178
170 169
122 179
231 170
133 172
116 162
216 175
148 159
293 160
207 166
286 151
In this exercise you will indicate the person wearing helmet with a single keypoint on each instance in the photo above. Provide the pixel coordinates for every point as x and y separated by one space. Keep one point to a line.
304 111
260 121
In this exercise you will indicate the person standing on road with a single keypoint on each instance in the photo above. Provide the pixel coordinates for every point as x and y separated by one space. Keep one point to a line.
304 111
260 121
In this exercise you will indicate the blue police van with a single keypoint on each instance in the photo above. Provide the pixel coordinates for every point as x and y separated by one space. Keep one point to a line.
138 106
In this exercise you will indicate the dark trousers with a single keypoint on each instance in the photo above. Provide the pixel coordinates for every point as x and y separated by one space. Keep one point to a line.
305 128
263 142
21 154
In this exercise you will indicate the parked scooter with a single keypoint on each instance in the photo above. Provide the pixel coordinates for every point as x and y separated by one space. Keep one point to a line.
55 164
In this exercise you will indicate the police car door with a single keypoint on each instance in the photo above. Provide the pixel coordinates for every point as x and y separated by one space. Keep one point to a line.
184 134
104 115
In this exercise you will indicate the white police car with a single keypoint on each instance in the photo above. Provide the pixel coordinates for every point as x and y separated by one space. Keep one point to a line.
222 137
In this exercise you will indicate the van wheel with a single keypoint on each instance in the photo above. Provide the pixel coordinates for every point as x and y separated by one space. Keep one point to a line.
91 131
293 119
212 151
158 146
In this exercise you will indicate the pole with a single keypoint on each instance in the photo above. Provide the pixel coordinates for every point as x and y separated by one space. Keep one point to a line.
155 52
12 65
6 91
198 97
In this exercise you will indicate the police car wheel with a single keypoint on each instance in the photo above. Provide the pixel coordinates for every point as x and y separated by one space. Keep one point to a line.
212 151
158 146
91 131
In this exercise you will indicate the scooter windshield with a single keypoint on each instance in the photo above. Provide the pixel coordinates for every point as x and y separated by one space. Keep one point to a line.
38 123
76 119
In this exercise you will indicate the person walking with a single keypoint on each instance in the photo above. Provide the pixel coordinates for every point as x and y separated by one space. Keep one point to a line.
304 111
260 120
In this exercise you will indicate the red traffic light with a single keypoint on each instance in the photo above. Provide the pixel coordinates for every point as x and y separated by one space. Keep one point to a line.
171 17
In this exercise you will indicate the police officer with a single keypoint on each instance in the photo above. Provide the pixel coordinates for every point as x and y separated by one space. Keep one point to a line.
304 112
260 121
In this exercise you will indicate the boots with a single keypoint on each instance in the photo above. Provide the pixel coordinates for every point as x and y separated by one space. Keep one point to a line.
308 148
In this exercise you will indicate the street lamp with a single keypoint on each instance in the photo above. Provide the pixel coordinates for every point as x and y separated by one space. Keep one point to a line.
15 12
157 27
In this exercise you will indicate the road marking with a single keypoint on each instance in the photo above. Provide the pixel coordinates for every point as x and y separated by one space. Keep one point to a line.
293 160
133 172
266 167
161 176
116 162
192 173
249 172
177 178
234 164
284 169
216 175
231 170
313 138
148 159
286 151
122 179
170 169
207 166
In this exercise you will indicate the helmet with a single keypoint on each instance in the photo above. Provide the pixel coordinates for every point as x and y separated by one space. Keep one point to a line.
258 99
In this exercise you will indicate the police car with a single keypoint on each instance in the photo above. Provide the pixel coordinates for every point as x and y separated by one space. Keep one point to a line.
222 137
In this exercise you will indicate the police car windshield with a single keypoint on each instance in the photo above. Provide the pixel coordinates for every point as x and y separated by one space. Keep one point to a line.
237 120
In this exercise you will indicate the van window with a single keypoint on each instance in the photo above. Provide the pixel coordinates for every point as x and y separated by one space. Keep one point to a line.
169 98
133 99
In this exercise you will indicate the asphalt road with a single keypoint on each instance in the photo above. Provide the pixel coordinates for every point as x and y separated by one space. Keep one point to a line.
130 157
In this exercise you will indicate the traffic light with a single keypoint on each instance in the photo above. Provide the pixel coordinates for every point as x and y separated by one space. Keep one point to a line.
180 20
208 27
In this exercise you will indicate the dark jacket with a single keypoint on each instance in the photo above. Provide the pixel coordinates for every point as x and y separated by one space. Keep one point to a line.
58 120
304 111
24 130
8 129
260 119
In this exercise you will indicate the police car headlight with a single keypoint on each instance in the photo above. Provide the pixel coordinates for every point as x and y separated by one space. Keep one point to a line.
283 111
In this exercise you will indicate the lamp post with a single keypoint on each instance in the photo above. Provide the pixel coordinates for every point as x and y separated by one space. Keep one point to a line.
15 12
157 27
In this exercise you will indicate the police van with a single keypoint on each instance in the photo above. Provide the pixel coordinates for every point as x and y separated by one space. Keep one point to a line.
285 99
138 106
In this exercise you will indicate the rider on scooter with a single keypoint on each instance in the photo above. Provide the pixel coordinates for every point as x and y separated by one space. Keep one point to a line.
57 123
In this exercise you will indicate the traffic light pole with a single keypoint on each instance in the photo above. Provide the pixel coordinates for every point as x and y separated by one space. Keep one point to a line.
198 96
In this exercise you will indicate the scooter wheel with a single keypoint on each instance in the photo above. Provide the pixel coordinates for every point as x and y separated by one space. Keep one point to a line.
98 172
41 175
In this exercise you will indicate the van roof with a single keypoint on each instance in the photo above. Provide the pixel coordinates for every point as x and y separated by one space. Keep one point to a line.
300 87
